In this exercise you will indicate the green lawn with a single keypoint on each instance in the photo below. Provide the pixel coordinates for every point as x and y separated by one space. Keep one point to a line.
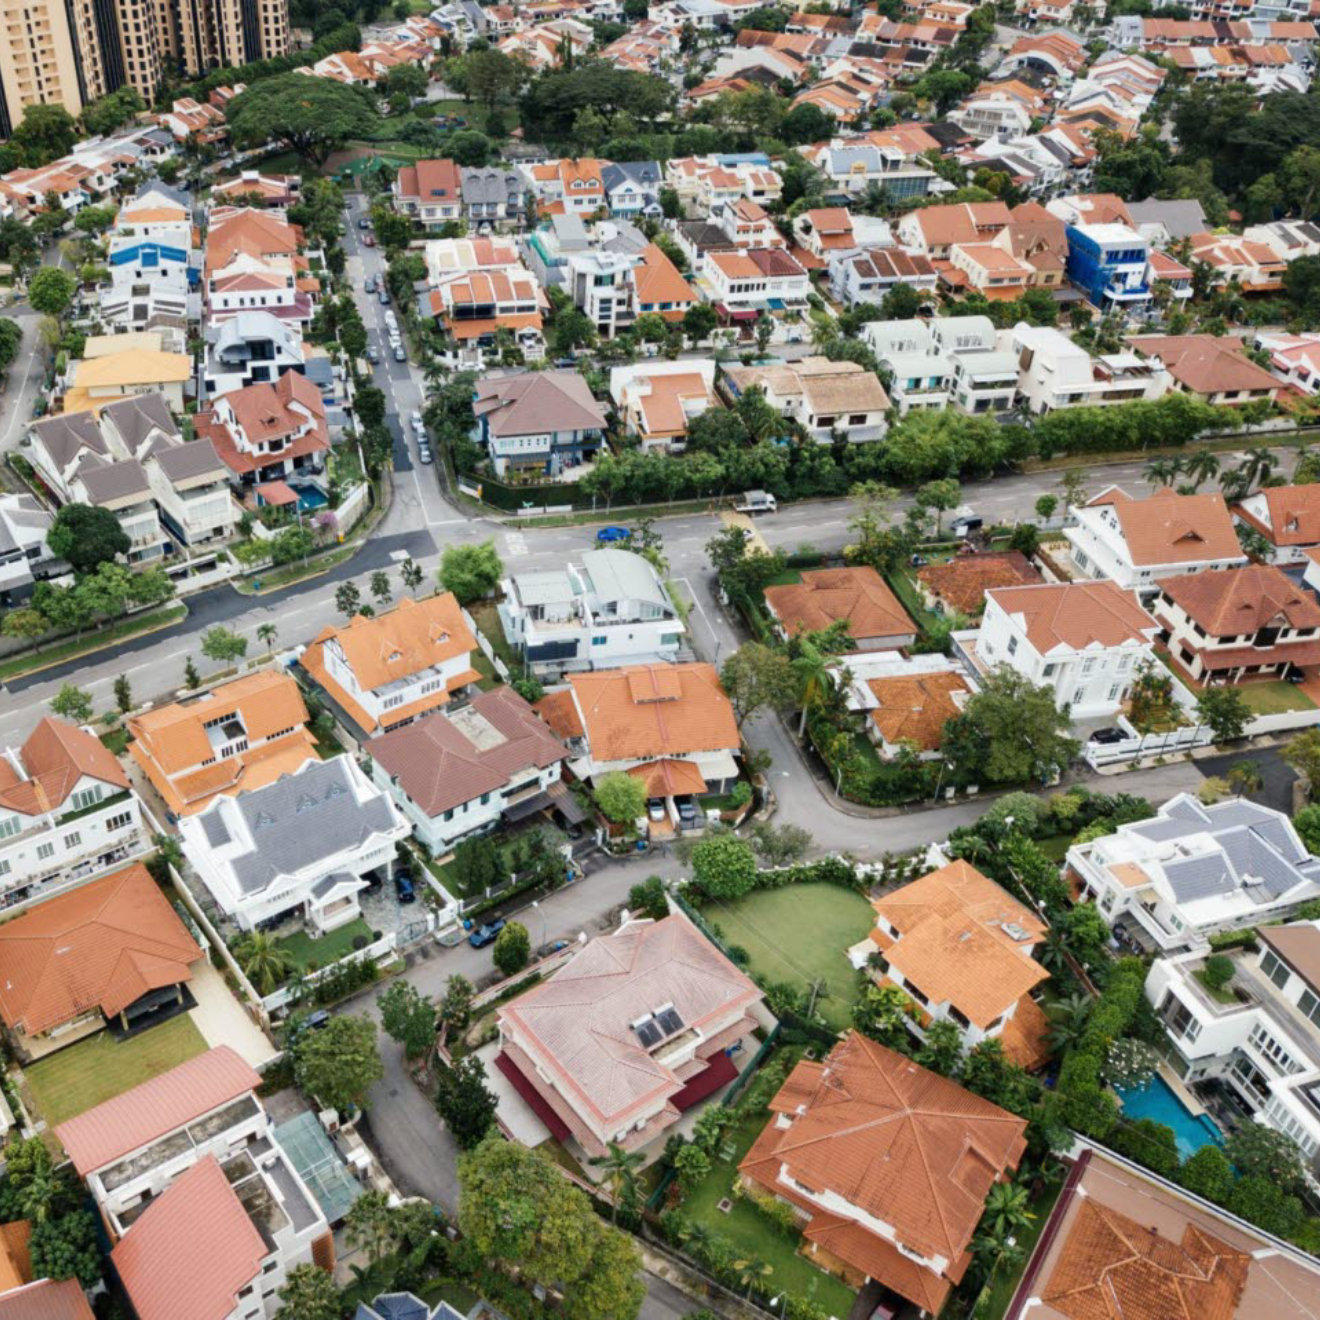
489 678
904 586
749 1230
100 1068
486 616
1275 698
799 933
73 649
116 740
1054 846
304 950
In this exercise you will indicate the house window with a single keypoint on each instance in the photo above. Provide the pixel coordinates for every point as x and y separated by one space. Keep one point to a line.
73 839
1012 645
84 797
599 641
45 850
9 826
1049 671
1276 970
119 822
1310 1005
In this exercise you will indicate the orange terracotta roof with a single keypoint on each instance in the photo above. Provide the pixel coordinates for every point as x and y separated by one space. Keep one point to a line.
559 710
901 1144
648 712
15 1258
825 596
1294 515
1025 1036
1234 601
1169 528
1076 615
914 709
101 946
56 756
665 778
955 943
657 280
962 583
46 1300
191 1251
139 1116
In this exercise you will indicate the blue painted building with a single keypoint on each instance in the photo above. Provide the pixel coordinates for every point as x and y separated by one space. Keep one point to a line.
1111 265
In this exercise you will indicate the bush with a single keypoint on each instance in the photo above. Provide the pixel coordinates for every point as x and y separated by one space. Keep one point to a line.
1218 971
512 949
1149 1143
649 899
723 867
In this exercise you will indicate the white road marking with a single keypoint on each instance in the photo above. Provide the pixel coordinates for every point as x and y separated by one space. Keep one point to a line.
515 544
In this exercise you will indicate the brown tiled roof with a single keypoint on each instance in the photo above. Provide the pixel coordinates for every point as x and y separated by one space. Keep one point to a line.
537 401
15 1256
962 583
559 710
914 708
578 1024
191 1251
46 1300
953 943
1169 528
1204 364
430 180
1113 1266
825 596
1229 602
441 762
1294 515
1076 614
665 778
1026 1035
647 712
56 756
101 946
1299 945
900 1143
139 1116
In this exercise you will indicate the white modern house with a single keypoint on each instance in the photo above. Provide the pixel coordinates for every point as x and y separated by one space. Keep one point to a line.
300 847
67 813
1260 1036
985 376
1054 372
1193 870
24 555
458 773
1085 640
921 373
1137 542
611 610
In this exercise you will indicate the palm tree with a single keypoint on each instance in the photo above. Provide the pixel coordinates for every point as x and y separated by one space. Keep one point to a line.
812 667
41 1193
1245 777
620 1168
1006 1212
1258 466
1201 466
266 635
264 962
1162 471
1069 1017
371 1224
751 1270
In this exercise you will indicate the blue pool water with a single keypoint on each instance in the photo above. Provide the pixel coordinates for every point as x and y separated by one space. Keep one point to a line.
1158 1101
309 498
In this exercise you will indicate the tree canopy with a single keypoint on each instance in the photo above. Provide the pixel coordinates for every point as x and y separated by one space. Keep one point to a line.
310 116
86 536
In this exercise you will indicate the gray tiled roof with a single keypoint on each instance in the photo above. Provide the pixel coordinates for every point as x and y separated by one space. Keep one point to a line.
135 418
196 459
64 435
109 482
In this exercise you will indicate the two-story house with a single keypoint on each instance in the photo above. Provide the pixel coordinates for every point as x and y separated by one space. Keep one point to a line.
657 401
1193 870
396 666
866 277
25 556
1054 372
920 374
490 195
1111 264
1239 622
632 188
1084 640
1137 543
67 812
462 772
822 396
430 191
745 285
609 611
249 348
300 847
544 420
1288 517
985 377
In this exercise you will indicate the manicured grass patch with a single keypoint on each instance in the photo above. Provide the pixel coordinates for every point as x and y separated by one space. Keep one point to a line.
1054 846
116 740
274 578
92 642
100 1068
304 950
489 678
798 934
486 616
904 586
751 1231
790 577
1222 994
1275 698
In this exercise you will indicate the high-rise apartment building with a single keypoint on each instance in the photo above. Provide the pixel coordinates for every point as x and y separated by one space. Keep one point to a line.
70 52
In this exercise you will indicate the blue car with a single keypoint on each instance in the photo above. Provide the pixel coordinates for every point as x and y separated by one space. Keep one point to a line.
485 935
609 534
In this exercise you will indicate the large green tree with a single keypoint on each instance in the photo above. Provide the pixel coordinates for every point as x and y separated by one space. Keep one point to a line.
339 1063
310 116
471 572
408 1016
1010 732
464 1101
309 1293
51 290
86 536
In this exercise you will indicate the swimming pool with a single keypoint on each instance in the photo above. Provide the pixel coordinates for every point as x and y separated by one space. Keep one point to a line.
1158 1101
310 498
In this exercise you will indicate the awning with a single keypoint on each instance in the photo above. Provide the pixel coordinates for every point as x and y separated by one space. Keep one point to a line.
277 494
566 804
720 1071
529 806
736 314
538 1104
665 778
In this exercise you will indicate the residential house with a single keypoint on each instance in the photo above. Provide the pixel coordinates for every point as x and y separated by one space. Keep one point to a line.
490 195
610 611
930 1150
1056 373
985 377
905 701
206 1209
1172 274
92 382
1288 517
959 585
430 191
229 739
1110 263
1253 267
632 188
833 231
25 557
1085 640
67 812
744 285
268 432
1216 371
63 1300
658 287
935 230
123 489
747 224
850 168
112 952
1193 870
1139 542
1167 221
249 348
1261 1038
988 269
473 309
152 268
1238 623
1287 239
300 847
657 401
821 396
573 186
456 773
253 188
919 374
600 284
703 181
1294 359
866 277
397 666
857 596
1118 1230
634 1031
191 121
546 420
961 949
248 285
671 726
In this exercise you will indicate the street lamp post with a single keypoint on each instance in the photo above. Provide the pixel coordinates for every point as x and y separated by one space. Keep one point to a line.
540 914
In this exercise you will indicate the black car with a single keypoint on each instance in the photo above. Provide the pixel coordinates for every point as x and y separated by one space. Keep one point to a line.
1109 736
404 888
